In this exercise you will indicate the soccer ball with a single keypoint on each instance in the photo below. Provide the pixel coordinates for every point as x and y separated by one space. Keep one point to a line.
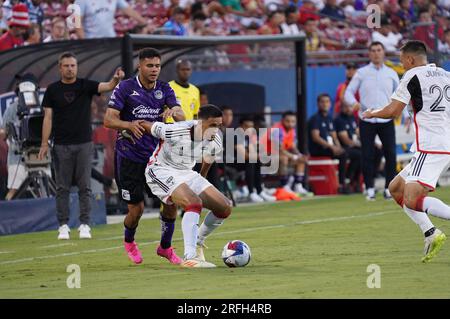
236 253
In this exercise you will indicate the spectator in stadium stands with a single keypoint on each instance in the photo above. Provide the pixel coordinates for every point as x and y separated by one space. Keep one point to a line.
384 35
350 70
283 134
33 35
274 21
97 17
315 39
290 25
444 47
188 95
233 7
332 10
375 83
6 12
18 26
67 106
426 33
175 26
197 25
404 16
58 30
308 11
247 160
348 134
323 140
35 11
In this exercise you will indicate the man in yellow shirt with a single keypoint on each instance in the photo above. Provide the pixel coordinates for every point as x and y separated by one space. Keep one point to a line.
188 95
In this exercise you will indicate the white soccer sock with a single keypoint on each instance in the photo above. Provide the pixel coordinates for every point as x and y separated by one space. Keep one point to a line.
210 223
436 207
420 218
189 226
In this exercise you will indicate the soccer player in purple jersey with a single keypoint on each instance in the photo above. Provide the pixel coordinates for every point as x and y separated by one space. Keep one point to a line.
135 100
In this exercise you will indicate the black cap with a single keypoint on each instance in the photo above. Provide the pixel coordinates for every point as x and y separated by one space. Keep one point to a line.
351 65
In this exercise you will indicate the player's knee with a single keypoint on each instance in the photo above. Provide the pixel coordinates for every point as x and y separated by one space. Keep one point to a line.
396 193
414 202
193 204
225 211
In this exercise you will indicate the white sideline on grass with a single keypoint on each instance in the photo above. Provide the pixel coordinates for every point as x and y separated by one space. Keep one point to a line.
305 222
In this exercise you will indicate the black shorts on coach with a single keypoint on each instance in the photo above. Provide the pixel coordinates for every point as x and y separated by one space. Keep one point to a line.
130 178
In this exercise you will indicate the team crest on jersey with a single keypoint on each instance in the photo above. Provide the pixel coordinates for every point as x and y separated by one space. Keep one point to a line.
192 105
158 94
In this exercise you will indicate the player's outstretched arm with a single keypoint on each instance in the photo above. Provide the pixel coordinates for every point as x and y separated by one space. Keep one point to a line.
392 110
109 86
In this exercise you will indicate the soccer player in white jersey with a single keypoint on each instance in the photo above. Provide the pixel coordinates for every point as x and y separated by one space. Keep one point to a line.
425 88
171 177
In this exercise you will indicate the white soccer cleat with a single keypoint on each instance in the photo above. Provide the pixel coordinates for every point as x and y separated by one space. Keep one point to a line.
269 191
197 263
64 232
267 197
200 252
255 198
244 191
85 231
370 194
298 188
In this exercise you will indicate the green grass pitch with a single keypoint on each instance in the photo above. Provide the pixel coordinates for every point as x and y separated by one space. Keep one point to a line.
318 248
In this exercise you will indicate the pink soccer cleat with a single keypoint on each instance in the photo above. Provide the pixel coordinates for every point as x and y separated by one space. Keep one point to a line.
133 252
170 254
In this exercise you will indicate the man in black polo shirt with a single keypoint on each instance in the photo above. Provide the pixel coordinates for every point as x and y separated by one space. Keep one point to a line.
67 106
347 132
323 140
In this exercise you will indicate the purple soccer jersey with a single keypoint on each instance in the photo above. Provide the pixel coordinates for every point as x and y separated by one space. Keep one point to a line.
135 102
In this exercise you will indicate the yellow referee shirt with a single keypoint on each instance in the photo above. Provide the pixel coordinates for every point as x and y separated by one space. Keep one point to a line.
189 99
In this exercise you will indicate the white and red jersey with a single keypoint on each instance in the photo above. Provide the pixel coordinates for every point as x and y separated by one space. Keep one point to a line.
427 91
177 149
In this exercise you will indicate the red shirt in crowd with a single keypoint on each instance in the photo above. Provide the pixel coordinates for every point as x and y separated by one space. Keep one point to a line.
8 41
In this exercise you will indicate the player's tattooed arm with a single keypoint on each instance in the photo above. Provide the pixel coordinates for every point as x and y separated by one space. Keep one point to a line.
392 110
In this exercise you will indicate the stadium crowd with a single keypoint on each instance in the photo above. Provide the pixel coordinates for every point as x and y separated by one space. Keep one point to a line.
327 24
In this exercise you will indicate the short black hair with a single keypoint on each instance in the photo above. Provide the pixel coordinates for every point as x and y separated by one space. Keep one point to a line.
208 111
245 118
322 95
414 47
288 113
199 16
66 55
177 10
149 53
289 10
374 43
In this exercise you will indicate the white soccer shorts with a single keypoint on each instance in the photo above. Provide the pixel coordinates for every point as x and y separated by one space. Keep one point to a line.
164 180
425 168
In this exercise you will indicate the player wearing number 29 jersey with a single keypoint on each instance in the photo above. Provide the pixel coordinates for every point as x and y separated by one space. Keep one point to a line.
425 88
427 91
